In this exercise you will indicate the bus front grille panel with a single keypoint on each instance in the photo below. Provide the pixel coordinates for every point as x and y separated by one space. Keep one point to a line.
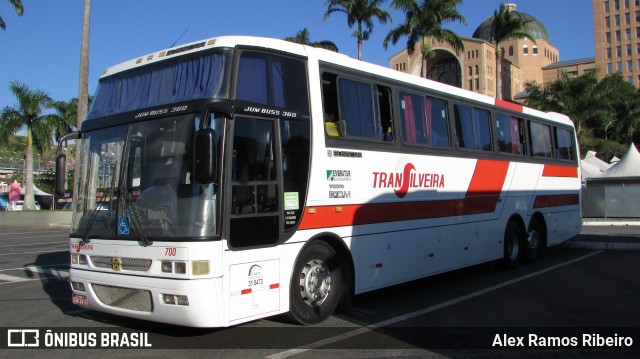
130 264
125 298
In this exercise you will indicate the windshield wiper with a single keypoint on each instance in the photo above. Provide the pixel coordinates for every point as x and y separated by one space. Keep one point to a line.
133 211
134 215
94 214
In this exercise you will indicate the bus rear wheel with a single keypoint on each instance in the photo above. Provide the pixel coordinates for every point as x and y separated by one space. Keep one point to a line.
514 242
315 285
536 242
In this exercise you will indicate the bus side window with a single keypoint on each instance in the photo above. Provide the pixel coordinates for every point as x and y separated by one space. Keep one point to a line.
358 113
473 128
412 118
564 144
510 134
540 140
386 114
274 81
437 124
330 102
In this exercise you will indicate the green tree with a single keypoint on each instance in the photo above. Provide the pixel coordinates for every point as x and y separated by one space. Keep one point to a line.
606 113
65 119
624 102
17 5
302 37
360 13
580 98
27 113
506 26
424 19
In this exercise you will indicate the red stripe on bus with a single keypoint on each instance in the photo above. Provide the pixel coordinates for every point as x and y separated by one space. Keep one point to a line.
485 187
556 200
274 286
245 291
482 197
509 105
560 171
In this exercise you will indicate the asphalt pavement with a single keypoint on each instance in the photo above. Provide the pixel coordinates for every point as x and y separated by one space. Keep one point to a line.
607 233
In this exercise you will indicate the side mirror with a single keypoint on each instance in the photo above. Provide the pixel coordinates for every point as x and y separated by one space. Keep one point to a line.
61 174
61 162
205 166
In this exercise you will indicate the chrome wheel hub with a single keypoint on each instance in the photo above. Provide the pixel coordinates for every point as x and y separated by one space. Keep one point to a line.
315 282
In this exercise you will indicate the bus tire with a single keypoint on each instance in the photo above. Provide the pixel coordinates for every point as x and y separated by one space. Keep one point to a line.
315 285
514 242
535 243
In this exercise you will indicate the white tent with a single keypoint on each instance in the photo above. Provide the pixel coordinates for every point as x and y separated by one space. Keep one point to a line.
588 170
591 159
628 166
36 191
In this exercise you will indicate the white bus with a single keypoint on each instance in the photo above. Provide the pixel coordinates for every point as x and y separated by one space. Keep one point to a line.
237 178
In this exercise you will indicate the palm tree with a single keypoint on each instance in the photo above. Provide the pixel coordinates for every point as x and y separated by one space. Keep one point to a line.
302 37
423 20
83 81
65 119
581 98
506 26
360 12
17 5
27 113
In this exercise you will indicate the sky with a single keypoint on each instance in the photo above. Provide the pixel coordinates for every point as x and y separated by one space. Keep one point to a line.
42 48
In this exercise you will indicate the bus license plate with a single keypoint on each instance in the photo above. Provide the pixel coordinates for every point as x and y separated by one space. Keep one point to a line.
80 300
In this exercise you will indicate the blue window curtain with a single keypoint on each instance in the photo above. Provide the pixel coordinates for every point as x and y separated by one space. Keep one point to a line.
483 130
356 109
252 79
439 127
165 83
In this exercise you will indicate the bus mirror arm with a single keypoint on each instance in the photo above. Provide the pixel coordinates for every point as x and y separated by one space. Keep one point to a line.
61 163
224 108
205 166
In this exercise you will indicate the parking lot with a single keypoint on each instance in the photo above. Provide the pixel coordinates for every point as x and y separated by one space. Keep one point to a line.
577 292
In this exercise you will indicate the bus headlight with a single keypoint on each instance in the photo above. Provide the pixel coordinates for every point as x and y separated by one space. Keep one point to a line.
79 259
200 267
173 267
175 299
78 286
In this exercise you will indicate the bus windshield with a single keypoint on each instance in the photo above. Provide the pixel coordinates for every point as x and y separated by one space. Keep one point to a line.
197 77
137 181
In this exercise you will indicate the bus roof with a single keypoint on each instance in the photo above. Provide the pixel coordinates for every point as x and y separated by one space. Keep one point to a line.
329 57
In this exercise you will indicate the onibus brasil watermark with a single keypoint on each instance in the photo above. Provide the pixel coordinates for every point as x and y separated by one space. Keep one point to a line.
63 338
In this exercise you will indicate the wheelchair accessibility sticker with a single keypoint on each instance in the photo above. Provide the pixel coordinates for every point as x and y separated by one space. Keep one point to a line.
123 225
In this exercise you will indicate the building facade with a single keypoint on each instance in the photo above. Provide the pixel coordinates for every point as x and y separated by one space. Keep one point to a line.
475 68
616 25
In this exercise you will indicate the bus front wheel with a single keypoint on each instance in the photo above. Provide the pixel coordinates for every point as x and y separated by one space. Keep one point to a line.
315 284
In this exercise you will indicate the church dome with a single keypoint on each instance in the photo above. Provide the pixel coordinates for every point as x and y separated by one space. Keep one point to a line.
533 27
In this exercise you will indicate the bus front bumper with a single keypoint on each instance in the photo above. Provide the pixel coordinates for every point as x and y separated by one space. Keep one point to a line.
192 303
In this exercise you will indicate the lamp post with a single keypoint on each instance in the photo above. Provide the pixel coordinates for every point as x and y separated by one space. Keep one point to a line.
607 127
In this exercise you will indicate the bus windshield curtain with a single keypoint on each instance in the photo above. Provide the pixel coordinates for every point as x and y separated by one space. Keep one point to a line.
156 85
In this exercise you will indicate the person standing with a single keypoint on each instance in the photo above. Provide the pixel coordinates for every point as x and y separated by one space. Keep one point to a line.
14 194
